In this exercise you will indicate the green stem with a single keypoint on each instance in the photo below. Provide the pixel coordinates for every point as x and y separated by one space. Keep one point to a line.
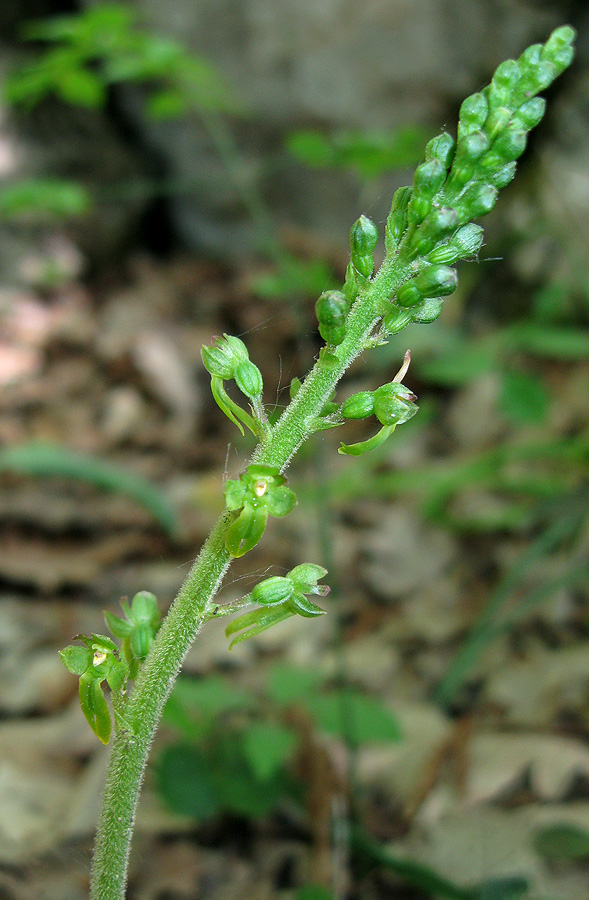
159 671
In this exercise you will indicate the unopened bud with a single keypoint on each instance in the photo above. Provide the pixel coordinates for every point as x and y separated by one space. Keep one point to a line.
394 404
441 147
530 114
478 200
363 235
358 406
222 358
497 121
396 319
331 310
428 311
248 379
473 113
144 607
436 281
397 219
510 144
272 591
502 177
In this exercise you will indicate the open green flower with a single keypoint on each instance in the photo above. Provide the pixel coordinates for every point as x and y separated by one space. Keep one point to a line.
97 661
137 630
260 492
280 597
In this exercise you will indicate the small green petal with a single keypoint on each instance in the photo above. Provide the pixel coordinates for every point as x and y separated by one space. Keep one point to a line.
95 708
245 532
76 659
305 607
281 500
120 628
371 444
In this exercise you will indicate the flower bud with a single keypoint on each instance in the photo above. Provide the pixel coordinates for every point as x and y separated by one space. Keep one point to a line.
394 404
428 311
428 179
395 319
465 243
350 288
141 640
537 78
472 147
468 240
510 144
408 295
358 406
272 591
397 219
437 225
507 74
530 58
363 236
530 114
363 240
248 379
418 208
558 49
441 147
478 200
473 114
331 310
503 176
436 281
144 608
222 358
497 121
560 39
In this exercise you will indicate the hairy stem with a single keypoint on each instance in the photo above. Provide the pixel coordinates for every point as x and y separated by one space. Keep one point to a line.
183 622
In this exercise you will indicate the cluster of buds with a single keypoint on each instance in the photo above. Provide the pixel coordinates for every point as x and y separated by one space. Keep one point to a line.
258 493
280 597
460 180
331 310
392 404
137 630
95 662
333 306
228 360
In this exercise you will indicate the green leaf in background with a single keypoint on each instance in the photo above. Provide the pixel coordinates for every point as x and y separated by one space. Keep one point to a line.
267 746
240 790
43 196
82 87
508 888
524 398
288 683
184 781
48 460
367 154
313 892
166 104
461 366
562 842
294 278
554 342
354 717
210 696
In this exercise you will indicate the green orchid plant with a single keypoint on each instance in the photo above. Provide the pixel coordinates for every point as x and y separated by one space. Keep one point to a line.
429 229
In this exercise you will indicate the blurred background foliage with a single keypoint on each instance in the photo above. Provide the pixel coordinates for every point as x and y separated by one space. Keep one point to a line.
168 173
